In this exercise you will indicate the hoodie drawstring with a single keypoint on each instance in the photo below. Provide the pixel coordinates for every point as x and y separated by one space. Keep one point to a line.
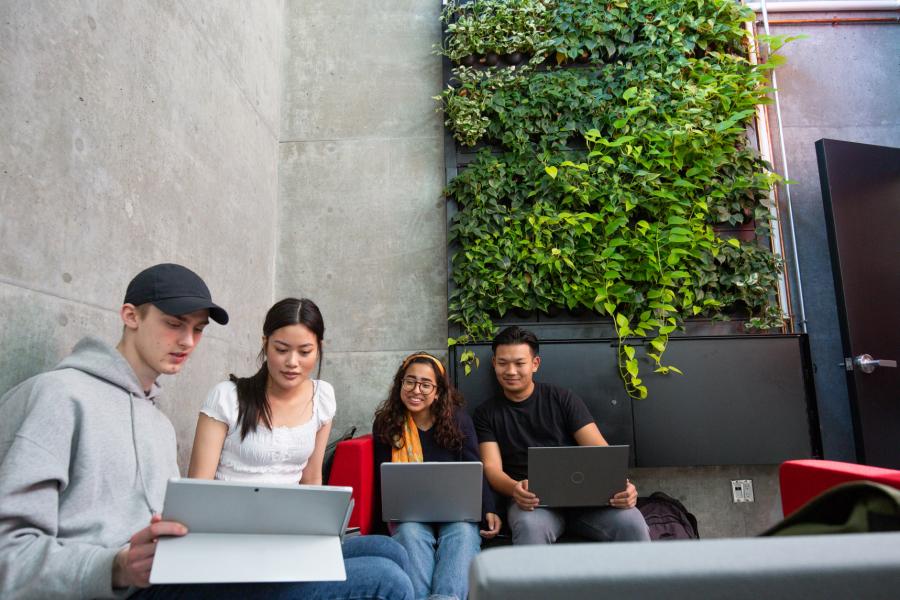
137 458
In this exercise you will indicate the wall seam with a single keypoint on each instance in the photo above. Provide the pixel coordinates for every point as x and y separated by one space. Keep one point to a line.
269 126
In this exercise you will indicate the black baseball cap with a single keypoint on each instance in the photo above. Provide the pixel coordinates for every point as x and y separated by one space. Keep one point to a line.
173 289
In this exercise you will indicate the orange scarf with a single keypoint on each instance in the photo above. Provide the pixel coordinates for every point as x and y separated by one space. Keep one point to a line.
407 448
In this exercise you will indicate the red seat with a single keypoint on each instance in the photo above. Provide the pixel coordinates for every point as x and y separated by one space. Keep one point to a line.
803 480
353 466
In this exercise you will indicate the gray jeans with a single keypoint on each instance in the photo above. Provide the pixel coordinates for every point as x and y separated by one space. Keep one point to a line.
606 524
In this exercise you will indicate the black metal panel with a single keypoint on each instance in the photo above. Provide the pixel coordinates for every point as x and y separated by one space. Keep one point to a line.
588 368
742 400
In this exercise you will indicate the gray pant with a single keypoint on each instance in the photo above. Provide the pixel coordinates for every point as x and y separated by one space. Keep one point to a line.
606 524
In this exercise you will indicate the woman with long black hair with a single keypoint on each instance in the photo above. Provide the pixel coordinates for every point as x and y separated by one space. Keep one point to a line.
272 427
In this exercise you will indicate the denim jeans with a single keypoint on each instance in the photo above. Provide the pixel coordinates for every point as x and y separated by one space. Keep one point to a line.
604 524
439 556
376 568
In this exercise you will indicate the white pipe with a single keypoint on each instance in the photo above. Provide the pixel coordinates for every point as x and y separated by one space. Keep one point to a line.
787 188
825 6
766 153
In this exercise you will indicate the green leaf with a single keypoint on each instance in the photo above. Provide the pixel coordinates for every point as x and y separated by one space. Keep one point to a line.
632 367
551 171
629 93
622 320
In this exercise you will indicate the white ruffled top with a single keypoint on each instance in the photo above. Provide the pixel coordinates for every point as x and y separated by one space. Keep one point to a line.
266 455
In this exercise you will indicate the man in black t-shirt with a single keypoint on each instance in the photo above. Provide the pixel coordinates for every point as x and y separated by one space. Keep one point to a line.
532 413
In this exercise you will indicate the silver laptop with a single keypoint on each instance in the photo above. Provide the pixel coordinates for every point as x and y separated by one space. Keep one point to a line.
431 492
577 475
244 532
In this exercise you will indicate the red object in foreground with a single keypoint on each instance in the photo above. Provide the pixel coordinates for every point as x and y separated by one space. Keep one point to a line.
803 480
353 466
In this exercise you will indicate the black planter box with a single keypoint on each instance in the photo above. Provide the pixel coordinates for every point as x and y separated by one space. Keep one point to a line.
742 399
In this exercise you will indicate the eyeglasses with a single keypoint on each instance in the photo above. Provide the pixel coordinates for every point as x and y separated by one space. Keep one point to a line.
409 384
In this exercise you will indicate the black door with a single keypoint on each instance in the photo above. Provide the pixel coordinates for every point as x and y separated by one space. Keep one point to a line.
861 193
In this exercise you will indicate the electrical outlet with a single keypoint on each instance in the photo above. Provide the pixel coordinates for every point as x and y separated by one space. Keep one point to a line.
742 490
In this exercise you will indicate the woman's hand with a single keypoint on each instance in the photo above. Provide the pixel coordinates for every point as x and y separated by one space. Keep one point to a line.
493 523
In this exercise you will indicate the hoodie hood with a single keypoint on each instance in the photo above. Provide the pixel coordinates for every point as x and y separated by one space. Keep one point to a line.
100 360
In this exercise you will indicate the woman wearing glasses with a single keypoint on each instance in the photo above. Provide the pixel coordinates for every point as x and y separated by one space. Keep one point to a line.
422 420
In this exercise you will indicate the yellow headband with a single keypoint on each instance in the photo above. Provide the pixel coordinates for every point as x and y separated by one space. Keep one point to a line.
433 359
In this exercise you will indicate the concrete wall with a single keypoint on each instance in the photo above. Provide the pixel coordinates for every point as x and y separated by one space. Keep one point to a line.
134 133
843 83
363 222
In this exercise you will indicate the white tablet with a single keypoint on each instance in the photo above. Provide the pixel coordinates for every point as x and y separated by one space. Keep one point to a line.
244 532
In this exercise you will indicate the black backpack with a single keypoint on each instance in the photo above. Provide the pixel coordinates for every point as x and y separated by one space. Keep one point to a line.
328 459
667 518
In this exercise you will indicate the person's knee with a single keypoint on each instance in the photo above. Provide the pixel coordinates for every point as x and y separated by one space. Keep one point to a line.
376 545
379 577
631 526
626 525
464 531
412 531
462 537
393 551
530 528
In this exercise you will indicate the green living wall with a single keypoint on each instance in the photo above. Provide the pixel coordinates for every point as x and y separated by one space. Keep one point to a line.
612 149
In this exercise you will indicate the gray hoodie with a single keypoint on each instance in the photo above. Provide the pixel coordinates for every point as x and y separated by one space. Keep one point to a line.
84 459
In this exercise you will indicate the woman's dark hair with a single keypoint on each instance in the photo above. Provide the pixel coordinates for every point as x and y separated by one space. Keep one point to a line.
253 404
391 414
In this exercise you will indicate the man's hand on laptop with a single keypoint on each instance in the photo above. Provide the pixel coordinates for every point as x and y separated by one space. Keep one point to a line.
493 526
626 498
525 499
132 564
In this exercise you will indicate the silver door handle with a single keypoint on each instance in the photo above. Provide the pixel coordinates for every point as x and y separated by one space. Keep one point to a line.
867 364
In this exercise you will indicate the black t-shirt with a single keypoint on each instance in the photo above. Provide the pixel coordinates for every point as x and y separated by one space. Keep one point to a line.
548 418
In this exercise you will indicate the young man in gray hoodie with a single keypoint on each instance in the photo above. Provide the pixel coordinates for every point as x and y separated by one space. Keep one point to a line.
85 456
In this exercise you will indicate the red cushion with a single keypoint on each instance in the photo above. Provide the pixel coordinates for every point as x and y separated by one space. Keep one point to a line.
353 466
803 480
